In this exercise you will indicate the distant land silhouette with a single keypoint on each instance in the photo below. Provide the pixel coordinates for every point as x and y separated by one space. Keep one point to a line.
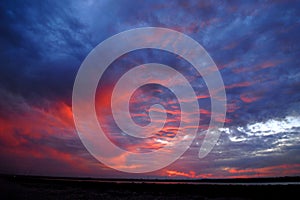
42 187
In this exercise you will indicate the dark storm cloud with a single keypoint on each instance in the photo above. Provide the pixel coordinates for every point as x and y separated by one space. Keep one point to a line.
254 42
42 45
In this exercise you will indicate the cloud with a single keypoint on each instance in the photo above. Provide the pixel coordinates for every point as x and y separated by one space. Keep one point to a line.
249 98
191 174
283 170
29 134
237 85
43 45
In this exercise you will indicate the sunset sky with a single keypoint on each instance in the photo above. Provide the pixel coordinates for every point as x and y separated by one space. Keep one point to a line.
255 45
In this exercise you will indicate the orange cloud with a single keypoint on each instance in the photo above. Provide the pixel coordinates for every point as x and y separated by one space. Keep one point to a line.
278 170
203 96
191 174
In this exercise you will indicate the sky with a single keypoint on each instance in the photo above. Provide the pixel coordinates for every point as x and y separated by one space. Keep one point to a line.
254 44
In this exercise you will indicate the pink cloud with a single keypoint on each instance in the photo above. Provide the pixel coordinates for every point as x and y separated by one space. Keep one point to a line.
241 84
263 65
249 97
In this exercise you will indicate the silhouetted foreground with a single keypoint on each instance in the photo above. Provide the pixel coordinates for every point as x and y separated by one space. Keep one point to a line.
24 187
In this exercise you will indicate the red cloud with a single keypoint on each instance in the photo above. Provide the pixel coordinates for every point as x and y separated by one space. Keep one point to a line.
204 112
29 138
249 97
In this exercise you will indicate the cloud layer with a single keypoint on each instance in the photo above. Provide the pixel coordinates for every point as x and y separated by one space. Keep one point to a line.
254 44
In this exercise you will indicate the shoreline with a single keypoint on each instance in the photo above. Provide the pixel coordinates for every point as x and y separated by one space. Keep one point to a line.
24 187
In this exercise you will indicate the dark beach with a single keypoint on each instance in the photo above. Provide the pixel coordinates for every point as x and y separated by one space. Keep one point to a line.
28 187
